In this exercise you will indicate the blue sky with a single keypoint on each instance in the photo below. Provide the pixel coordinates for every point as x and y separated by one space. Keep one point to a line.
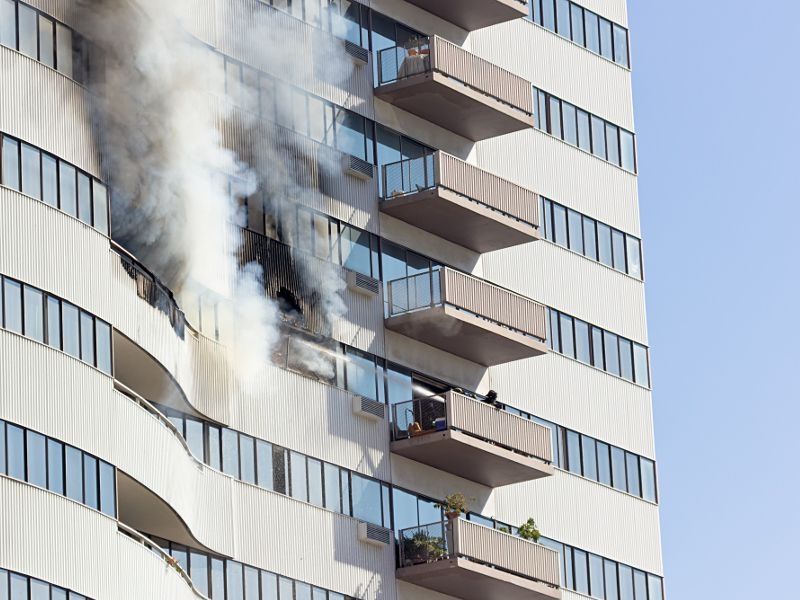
717 99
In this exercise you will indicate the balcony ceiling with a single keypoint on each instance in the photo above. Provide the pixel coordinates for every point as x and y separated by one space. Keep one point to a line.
474 14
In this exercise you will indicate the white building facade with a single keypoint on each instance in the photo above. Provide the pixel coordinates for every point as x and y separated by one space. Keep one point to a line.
462 173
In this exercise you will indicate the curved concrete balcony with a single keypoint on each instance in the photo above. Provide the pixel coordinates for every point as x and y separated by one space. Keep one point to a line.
473 562
56 539
446 85
163 489
459 202
466 316
471 439
475 14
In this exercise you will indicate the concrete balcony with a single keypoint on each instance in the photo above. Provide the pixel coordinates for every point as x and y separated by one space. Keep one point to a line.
466 316
475 14
471 439
446 85
474 562
460 202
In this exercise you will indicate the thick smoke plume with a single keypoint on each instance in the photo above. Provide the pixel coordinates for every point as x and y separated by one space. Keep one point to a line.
159 98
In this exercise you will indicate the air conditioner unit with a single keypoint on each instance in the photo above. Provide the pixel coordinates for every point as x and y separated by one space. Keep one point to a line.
368 408
374 535
359 55
356 167
363 284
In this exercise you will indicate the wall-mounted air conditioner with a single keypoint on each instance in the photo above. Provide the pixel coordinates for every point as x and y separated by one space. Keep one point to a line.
363 284
359 55
368 408
356 167
374 535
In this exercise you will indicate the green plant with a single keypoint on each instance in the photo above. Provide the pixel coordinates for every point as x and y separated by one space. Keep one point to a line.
504 529
456 504
423 547
529 531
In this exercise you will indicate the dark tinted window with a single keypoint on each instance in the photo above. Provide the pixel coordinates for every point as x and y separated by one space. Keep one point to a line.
15 451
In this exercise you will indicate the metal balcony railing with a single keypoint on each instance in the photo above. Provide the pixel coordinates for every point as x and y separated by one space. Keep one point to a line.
474 417
445 286
434 54
458 538
414 175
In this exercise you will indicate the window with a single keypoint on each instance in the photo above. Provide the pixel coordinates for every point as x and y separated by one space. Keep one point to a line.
198 568
39 590
90 478
582 343
632 462
612 585
84 198
36 458
612 143
589 457
103 341
230 452
64 50
611 344
548 15
590 238
11 163
570 124
87 338
297 471
603 463
560 225
618 477
55 466
563 18
251 583
577 25
68 182
264 471
8 20
315 482
333 491
28 36
100 206
567 344
620 45
575 231
47 35
627 151
555 117
648 469
214 447
108 486
618 246
74 471
581 571
606 45
655 587
626 359
18 587
604 244
31 172
34 313
574 452
50 180
596 583
367 502
12 305
640 584
584 133
247 451
235 582
598 137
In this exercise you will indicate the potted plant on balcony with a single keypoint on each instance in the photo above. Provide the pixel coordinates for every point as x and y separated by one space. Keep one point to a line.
454 505
529 531
422 547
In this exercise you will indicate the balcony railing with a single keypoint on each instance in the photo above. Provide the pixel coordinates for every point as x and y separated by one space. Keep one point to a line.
466 316
475 418
474 562
445 286
460 202
150 289
445 84
472 439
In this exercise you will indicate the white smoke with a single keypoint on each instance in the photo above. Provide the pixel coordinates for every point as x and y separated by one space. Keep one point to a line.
158 125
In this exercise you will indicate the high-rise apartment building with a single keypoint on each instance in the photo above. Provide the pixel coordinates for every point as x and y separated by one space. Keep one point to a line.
322 300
